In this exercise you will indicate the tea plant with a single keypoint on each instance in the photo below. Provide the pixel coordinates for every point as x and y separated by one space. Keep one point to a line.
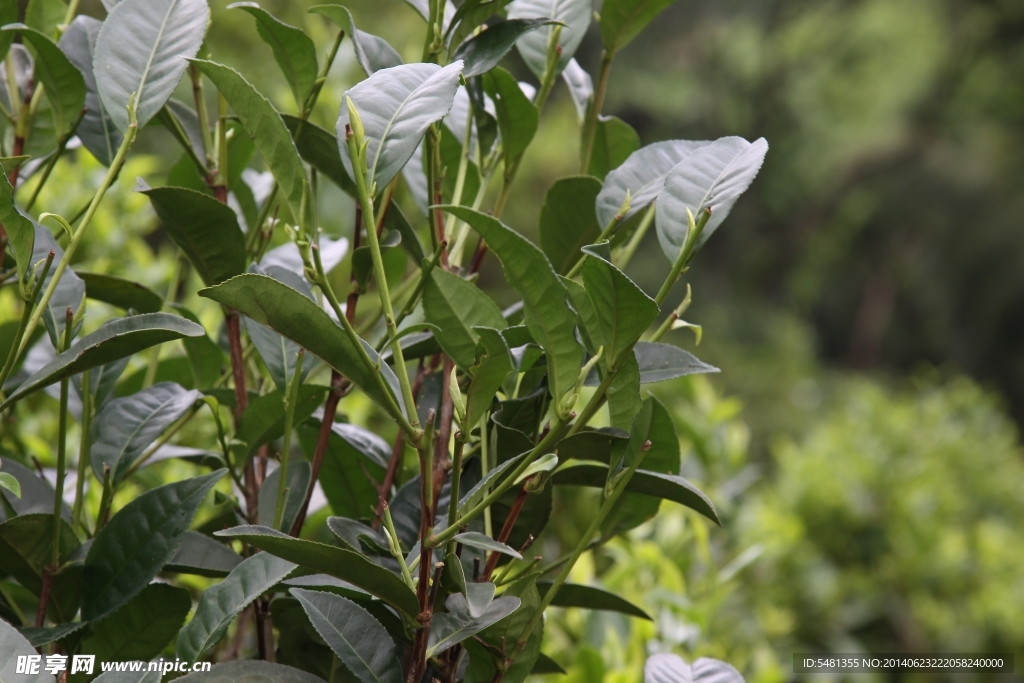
422 581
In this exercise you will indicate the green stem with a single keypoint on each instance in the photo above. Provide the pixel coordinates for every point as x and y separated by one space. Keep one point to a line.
590 126
61 145
12 604
62 433
626 255
605 234
26 313
453 499
83 450
396 550
685 252
204 117
291 399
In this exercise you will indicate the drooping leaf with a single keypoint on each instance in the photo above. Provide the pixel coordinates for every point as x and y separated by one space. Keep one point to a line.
113 340
142 628
712 177
220 604
295 494
69 293
397 106
642 175
359 640
121 293
97 131
482 52
622 20
201 555
267 129
138 541
293 50
319 148
21 233
581 89
61 81
12 646
280 355
544 297
289 313
574 14
125 427
343 564
475 539
456 307
659 362
590 597
141 50
567 220
372 52
614 141
264 419
251 671
517 116
458 624
205 229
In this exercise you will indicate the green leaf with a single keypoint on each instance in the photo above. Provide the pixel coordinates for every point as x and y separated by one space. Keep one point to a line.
128 677
8 15
587 323
289 313
372 53
423 7
395 221
125 427
26 550
115 339
45 15
581 89
142 628
70 290
624 311
396 107
36 492
138 541
545 666
660 362
205 229
204 356
12 646
299 473
624 395
665 486
61 80
713 177
482 52
327 559
200 555
517 116
488 375
220 604
279 354
141 50
470 15
622 20
475 539
121 293
458 624
8 482
356 535
351 467
642 175
567 220
251 671
358 639
544 297
590 597
481 663
21 233
97 131
293 49
319 148
268 131
456 307
263 421
574 14
614 141
44 635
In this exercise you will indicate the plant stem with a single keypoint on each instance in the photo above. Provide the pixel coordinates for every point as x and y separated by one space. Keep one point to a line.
291 399
638 235
322 442
62 432
83 450
590 126
453 498
396 550
26 313
52 161
685 252
506 531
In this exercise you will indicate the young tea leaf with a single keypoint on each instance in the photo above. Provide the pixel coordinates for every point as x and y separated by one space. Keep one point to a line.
372 52
293 50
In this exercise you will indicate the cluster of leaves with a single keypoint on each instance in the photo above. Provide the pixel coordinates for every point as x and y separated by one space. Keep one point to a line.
423 579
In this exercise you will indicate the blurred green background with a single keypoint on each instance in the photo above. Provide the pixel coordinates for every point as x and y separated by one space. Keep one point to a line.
865 301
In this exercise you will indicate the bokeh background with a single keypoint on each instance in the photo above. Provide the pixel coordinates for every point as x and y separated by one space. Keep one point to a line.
865 301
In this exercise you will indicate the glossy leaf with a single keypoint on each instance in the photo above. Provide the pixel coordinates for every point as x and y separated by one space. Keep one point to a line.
70 290
517 116
482 52
397 106
544 297
293 49
295 494
712 177
61 80
614 141
267 130
289 313
574 14
456 307
359 641
372 52
113 340
623 310
141 50
141 629
12 646
319 148
481 663
221 603
567 220
125 427
458 624
326 559
264 420
97 131
201 555
581 88
251 671
205 229
121 293
137 542
21 233
9 483
622 20
590 597
642 175
475 539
